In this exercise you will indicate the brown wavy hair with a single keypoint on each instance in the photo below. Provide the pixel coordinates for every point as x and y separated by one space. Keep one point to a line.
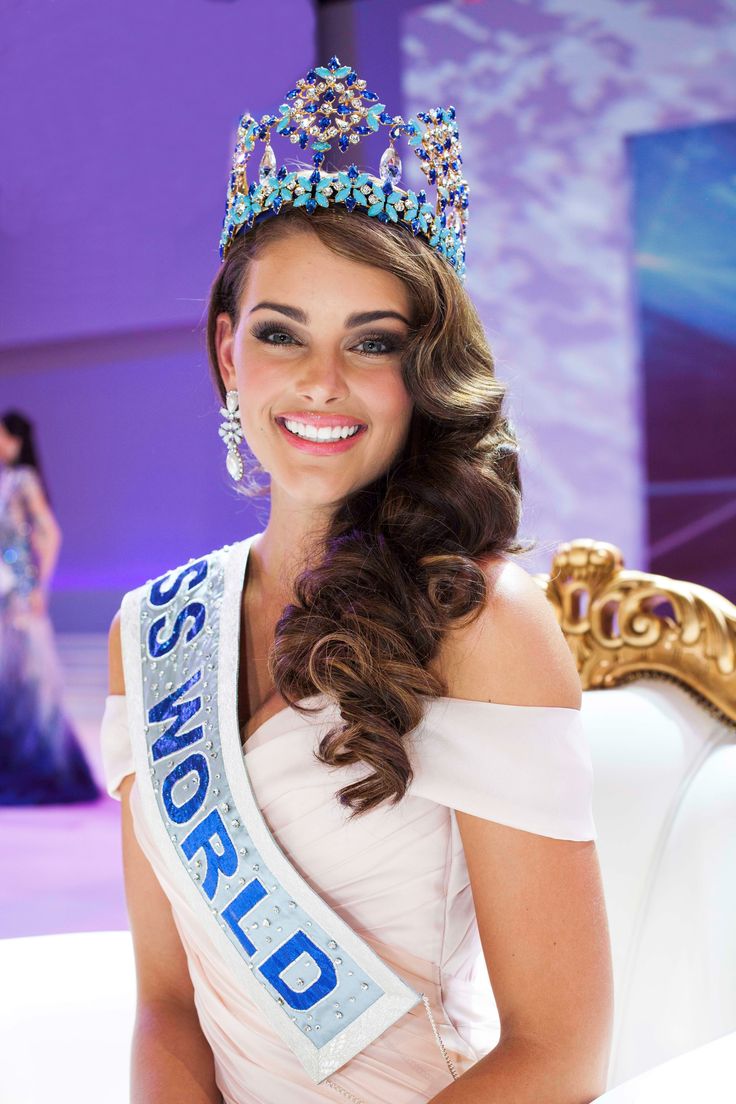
399 562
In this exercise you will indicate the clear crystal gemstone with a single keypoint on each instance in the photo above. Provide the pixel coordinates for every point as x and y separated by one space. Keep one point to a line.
234 465
267 167
390 166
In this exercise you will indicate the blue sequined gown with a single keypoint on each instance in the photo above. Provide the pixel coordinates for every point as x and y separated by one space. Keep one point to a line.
41 761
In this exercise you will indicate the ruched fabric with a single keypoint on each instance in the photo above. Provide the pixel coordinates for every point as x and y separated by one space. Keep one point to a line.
397 875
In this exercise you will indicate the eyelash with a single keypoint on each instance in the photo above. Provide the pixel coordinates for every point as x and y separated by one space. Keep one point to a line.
265 330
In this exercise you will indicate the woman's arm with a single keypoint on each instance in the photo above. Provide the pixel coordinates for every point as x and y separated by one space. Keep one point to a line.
171 1060
539 901
45 532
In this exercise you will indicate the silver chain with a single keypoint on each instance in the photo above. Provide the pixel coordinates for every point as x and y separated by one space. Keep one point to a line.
450 1064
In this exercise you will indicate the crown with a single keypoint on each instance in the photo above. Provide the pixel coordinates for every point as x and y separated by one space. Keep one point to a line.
331 103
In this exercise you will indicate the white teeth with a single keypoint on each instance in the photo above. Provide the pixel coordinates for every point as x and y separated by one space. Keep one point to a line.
323 433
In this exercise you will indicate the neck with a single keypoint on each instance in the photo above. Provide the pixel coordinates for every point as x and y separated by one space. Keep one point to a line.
290 542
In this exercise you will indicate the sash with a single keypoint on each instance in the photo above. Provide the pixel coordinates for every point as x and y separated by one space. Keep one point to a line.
323 990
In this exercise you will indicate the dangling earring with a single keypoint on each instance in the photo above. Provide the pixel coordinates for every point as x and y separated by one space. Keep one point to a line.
231 432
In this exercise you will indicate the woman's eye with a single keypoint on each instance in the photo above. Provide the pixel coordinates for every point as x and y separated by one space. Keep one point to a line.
273 336
376 346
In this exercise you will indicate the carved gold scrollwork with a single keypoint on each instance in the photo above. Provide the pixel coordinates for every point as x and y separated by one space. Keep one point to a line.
623 624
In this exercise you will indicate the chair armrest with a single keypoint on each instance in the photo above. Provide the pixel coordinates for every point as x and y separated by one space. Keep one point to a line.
706 1074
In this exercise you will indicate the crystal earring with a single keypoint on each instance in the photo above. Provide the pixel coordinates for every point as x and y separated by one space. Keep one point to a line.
231 432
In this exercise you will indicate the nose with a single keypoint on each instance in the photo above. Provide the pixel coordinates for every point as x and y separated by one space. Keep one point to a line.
322 379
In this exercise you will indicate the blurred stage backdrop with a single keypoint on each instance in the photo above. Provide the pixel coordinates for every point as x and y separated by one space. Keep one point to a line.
599 145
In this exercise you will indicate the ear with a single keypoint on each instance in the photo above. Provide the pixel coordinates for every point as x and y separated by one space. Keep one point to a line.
224 341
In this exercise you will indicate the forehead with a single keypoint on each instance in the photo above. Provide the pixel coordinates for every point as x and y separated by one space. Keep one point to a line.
298 269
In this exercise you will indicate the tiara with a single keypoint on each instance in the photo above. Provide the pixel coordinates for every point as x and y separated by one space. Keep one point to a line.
331 103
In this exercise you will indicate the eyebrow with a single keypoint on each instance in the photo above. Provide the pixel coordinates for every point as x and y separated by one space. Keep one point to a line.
352 320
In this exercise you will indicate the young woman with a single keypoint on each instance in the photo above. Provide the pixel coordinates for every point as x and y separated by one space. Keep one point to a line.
348 748
40 759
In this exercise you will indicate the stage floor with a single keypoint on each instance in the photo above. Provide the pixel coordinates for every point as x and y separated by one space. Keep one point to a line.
60 865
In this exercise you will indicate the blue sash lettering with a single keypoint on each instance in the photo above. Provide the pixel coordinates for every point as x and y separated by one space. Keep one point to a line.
160 596
225 862
285 956
167 709
261 921
157 647
246 900
193 764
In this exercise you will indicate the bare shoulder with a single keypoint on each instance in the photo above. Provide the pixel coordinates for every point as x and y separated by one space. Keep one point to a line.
116 678
514 652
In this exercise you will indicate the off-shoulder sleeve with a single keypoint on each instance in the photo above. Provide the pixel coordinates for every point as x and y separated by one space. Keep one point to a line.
117 754
525 766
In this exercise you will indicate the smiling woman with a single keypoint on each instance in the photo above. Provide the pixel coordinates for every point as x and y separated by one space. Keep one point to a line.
331 320
349 747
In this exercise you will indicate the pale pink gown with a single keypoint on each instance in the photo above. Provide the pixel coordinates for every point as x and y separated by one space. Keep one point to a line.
397 875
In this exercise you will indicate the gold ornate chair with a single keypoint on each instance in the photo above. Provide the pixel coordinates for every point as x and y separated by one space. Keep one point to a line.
657 659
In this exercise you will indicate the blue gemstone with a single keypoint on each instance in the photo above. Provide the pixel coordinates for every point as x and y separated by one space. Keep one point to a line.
317 159
387 188
369 95
251 188
439 147
311 205
287 131
334 62
277 204
311 108
303 138
353 172
323 122
440 115
343 109
292 93
422 154
311 77
448 143
328 96
351 79
446 166
363 130
343 142
422 196
385 117
451 112
350 202
382 216
432 176
262 131
315 177
283 171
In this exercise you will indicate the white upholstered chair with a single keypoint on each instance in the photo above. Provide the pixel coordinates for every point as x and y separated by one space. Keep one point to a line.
657 659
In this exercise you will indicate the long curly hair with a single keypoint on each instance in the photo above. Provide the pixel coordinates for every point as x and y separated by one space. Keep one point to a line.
400 560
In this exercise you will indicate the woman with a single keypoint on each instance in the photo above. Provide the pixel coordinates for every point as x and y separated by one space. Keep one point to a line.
40 759
413 783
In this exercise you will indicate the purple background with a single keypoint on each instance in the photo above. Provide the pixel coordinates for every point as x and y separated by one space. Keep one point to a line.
117 126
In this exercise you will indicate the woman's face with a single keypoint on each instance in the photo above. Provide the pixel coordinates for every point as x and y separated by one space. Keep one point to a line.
9 446
316 361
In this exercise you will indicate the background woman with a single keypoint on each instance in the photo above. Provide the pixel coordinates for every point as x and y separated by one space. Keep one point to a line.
40 759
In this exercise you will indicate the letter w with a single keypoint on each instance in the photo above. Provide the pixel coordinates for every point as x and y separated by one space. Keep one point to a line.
166 710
